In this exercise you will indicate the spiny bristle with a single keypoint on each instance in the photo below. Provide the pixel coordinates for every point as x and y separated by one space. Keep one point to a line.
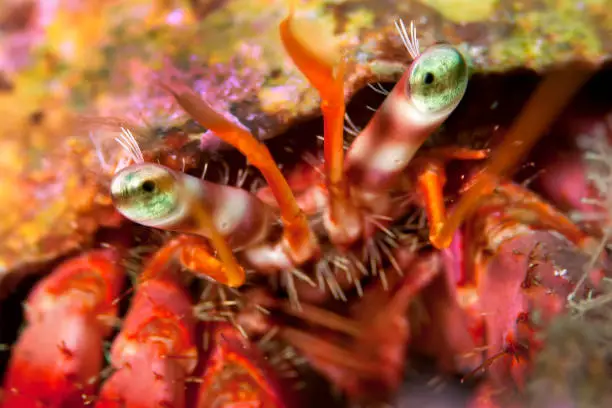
379 89
378 250
375 256
134 258
129 143
222 304
245 178
352 130
224 170
283 358
287 281
411 42
334 263
111 158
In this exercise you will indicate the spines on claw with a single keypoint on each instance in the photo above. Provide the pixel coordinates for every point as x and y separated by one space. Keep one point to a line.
57 359
236 373
155 351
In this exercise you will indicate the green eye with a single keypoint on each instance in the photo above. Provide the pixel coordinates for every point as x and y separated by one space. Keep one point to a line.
438 79
146 194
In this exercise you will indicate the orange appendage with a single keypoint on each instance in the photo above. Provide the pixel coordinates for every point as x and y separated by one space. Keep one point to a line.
58 357
457 153
431 178
193 253
549 100
527 208
324 68
319 63
298 235
430 182
155 351
232 272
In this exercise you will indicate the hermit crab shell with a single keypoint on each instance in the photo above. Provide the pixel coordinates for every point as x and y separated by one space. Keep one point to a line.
95 58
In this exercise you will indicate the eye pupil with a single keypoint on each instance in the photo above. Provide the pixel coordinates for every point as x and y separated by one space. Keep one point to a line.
148 186
428 78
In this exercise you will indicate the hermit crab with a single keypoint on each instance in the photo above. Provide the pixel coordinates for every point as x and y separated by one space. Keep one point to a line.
348 261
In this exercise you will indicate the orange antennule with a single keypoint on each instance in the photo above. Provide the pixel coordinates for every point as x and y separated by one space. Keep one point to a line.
324 68
549 100
298 234
326 74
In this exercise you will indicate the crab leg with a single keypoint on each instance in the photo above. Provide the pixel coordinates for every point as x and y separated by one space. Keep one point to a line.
528 208
374 357
194 254
431 178
299 238
236 374
58 357
430 183
324 69
155 351
549 100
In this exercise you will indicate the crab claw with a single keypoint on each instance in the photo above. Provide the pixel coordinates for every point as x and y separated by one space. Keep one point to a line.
523 288
58 357
155 352
236 374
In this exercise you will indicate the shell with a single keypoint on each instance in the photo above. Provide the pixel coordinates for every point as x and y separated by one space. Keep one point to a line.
100 58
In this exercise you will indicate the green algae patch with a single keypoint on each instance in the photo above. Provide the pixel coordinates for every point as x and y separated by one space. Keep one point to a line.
463 11
545 38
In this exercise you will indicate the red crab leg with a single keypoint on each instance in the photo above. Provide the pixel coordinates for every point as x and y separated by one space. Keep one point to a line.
155 351
528 208
545 105
235 374
319 60
58 357
300 239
